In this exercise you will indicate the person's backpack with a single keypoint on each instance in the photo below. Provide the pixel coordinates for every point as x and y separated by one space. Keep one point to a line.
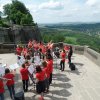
72 66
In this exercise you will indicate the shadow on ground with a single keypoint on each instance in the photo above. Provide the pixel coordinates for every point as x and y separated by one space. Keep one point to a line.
60 77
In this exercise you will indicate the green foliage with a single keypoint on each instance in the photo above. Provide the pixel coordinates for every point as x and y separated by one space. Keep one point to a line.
70 40
26 19
54 37
70 37
18 13
3 24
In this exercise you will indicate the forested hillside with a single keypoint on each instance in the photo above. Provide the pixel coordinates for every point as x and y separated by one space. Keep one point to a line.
73 34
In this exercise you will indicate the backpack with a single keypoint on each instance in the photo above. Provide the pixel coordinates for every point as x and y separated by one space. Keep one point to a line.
72 66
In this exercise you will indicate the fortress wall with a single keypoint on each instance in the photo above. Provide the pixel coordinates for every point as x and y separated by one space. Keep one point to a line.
92 55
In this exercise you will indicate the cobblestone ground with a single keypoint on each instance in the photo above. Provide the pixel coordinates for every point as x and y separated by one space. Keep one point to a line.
81 84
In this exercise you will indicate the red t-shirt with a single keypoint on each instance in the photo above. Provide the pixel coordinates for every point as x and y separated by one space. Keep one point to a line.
25 51
36 46
9 76
63 56
24 73
30 44
40 76
46 70
50 66
1 87
18 50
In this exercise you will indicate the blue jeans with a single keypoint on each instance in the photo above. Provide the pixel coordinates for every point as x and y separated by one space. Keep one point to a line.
11 91
1 96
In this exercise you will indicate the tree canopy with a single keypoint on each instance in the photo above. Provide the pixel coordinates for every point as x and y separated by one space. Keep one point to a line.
17 13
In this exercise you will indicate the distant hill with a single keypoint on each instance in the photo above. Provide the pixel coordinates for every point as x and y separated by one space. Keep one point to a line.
90 28
73 33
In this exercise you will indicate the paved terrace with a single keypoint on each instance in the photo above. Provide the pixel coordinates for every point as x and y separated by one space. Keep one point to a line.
82 84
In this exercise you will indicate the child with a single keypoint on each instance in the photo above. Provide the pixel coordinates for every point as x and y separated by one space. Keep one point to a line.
25 77
10 83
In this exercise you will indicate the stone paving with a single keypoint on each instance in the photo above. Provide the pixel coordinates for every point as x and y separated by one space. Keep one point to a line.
81 84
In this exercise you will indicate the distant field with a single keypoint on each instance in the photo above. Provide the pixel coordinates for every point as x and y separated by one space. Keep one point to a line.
70 40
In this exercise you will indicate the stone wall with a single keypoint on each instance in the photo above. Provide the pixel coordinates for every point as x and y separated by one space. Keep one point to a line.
17 34
92 55
5 35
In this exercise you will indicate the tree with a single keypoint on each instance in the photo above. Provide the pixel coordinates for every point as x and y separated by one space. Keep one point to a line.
18 13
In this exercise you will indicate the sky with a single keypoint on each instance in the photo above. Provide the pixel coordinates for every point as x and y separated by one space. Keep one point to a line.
56 11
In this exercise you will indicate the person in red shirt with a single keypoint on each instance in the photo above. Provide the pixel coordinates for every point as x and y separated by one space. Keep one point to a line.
50 67
1 89
62 62
18 50
40 80
25 78
25 51
10 83
30 44
46 70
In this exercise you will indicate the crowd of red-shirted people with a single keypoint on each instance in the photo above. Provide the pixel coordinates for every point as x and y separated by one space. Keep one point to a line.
43 72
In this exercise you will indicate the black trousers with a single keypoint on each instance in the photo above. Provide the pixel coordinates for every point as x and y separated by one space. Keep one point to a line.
69 59
25 85
40 87
50 79
62 65
11 91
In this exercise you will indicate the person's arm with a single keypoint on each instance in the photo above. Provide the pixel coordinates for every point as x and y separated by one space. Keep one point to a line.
4 79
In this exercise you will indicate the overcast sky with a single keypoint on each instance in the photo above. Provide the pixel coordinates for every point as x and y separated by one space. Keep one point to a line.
55 11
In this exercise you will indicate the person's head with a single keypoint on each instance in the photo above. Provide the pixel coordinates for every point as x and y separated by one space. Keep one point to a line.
23 65
63 50
7 71
27 63
44 64
38 69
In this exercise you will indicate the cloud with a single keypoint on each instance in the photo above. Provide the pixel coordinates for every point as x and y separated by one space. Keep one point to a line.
3 2
92 2
67 15
75 9
96 13
51 5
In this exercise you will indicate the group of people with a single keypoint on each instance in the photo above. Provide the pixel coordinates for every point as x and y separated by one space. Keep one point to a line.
42 75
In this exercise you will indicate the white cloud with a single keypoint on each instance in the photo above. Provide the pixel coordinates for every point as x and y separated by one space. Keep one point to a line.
3 2
75 9
52 5
92 2
96 12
